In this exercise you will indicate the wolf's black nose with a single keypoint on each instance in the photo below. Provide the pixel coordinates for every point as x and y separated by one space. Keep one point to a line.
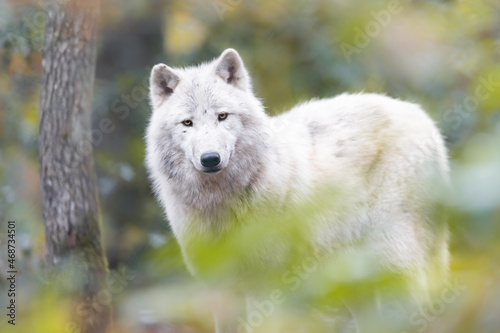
209 160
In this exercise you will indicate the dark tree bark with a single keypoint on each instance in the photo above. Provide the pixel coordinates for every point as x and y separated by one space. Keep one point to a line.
70 203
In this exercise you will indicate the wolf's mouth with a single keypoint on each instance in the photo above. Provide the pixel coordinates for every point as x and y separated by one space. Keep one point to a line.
212 170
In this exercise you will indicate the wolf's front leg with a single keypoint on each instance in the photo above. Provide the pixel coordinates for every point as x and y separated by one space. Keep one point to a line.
229 313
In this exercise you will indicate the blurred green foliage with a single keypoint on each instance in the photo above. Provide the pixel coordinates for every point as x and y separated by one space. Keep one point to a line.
444 55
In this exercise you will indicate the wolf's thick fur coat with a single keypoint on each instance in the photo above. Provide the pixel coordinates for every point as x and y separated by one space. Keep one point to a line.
385 154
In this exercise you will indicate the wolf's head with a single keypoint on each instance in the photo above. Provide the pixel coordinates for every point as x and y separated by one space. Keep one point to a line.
207 125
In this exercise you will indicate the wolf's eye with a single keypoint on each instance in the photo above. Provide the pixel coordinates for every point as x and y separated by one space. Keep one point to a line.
187 123
222 116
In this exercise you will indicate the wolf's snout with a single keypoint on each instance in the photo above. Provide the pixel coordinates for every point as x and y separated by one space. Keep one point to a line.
209 160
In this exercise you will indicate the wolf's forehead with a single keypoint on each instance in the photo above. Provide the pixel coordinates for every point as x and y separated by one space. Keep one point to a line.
201 95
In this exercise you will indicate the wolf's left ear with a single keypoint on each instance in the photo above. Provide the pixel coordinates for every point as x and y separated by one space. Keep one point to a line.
230 68
162 83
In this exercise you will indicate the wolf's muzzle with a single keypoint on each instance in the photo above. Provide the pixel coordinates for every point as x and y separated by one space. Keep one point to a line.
210 160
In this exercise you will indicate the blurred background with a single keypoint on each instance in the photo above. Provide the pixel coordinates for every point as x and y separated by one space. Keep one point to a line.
444 55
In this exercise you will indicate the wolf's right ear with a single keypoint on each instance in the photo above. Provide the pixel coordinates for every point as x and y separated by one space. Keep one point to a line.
162 83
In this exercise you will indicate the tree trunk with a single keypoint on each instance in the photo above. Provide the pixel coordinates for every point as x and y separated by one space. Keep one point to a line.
70 203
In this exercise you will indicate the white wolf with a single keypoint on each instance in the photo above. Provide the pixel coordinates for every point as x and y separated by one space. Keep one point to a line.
214 154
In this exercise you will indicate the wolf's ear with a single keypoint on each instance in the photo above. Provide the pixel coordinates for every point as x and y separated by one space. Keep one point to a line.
230 68
162 83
